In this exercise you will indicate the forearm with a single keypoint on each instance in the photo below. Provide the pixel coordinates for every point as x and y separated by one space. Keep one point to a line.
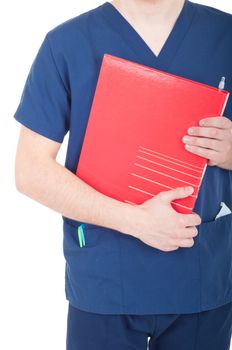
56 187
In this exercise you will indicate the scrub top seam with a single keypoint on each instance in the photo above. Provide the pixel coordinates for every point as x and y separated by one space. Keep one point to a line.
120 36
197 328
55 65
121 277
199 268
93 46
127 26
183 38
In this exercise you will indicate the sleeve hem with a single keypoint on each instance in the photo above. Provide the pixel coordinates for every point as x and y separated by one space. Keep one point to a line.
46 133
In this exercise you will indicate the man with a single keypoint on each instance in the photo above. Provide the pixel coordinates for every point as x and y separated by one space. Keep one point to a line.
146 271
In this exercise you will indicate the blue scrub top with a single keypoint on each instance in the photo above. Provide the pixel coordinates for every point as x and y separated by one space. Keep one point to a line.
115 273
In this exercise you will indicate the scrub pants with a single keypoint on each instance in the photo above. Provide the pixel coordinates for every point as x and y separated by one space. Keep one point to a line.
205 330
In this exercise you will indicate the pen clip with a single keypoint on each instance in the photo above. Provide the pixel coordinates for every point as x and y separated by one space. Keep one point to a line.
222 82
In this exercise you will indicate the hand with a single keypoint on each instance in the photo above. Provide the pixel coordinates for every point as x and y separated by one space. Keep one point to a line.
214 141
157 224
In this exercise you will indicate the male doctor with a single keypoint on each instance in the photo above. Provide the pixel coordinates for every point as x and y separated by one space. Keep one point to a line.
150 274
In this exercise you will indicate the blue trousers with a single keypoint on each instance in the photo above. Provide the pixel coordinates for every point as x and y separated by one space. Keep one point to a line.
206 330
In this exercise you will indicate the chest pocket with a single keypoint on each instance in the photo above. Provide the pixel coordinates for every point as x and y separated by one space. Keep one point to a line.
92 234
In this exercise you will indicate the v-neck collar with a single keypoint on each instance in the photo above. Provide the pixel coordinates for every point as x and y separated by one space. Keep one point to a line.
129 34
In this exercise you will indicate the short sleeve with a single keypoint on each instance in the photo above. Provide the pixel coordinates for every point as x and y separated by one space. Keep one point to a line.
45 102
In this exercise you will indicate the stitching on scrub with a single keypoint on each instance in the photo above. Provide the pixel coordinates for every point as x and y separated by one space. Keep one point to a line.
190 24
221 218
58 137
154 326
58 72
225 301
197 330
199 268
71 224
85 225
93 46
122 287
120 37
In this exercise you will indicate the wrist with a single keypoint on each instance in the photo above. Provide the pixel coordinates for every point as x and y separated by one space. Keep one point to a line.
127 223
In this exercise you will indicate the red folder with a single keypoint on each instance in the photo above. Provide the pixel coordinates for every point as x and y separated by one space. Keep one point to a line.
133 146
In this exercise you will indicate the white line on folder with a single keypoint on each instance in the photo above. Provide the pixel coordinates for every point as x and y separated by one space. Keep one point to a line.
170 161
179 171
137 189
181 205
158 183
162 154
159 172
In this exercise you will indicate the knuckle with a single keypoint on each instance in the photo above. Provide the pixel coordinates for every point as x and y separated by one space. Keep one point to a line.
195 232
181 221
194 141
223 122
171 242
223 158
191 242
164 249
161 195
212 144
187 242
198 220
213 132
176 234
170 248
228 147
180 189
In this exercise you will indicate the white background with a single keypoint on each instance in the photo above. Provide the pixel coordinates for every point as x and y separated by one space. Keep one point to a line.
33 308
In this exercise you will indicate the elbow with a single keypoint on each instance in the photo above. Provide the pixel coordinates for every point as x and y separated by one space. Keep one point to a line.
19 183
20 177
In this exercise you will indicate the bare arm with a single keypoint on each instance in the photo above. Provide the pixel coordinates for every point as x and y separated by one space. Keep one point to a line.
39 176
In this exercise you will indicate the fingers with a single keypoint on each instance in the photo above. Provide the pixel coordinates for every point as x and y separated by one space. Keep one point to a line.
222 122
179 192
210 132
184 237
184 233
189 219
176 244
186 243
182 243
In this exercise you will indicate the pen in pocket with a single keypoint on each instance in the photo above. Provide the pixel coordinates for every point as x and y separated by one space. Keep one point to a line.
221 85
81 236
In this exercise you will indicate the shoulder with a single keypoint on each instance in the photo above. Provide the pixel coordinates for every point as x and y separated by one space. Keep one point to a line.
73 28
213 15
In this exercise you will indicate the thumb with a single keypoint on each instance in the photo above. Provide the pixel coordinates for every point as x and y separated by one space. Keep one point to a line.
179 192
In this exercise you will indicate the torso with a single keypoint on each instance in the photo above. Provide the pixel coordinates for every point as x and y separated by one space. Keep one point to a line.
114 273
